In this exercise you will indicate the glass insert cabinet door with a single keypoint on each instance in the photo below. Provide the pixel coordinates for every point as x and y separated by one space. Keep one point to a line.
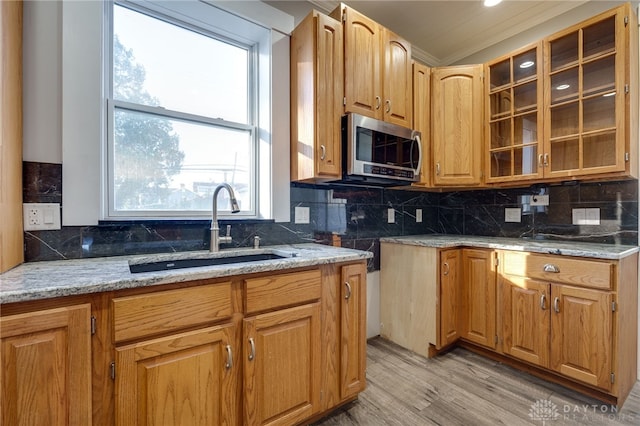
585 94
515 97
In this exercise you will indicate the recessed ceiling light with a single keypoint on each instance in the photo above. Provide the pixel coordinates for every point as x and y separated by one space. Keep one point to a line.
527 64
490 3
563 87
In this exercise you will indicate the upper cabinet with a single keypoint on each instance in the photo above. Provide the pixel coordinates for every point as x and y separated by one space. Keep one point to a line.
316 99
377 69
591 107
514 116
422 118
456 125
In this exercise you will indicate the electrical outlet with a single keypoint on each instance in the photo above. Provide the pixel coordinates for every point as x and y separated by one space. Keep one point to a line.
539 200
578 216
391 216
302 215
41 216
418 215
512 214
592 216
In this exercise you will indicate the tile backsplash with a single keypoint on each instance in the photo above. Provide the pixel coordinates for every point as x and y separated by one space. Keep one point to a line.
358 215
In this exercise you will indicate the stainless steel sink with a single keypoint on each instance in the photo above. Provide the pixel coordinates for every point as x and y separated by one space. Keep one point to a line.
170 264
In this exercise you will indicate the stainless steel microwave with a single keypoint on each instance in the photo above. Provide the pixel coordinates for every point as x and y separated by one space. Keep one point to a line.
380 152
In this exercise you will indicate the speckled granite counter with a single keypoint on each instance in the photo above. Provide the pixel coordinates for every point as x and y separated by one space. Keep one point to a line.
43 280
566 248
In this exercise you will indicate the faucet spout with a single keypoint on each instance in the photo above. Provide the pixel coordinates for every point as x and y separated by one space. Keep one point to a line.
216 239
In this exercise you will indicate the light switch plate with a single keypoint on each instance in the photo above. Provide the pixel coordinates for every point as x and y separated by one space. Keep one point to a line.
301 215
578 216
418 215
512 214
592 216
391 215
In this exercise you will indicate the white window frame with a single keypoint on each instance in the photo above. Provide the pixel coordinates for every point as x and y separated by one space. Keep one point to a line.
209 21
82 29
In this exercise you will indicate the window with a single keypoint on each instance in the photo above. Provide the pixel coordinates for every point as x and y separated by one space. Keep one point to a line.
183 109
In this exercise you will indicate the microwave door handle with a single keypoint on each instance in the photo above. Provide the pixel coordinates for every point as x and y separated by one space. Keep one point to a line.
419 168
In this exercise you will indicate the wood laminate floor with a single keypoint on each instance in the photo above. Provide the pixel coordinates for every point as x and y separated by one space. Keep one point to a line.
463 388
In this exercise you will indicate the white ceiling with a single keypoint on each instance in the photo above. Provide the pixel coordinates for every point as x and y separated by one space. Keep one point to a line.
444 32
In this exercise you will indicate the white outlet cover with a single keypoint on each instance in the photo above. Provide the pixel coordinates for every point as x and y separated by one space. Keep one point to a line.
301 215
41 216
592 216
513 214
391 216
418 215
578 216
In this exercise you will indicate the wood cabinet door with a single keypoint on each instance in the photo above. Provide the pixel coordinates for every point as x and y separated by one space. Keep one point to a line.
422 117
353 329
46 367
329 96
525 307
479 297
362 61
317 91
281 356
397 80
449 302
457 125
189 378
581 341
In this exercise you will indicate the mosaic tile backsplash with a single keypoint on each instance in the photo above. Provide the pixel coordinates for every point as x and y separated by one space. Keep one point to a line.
358 215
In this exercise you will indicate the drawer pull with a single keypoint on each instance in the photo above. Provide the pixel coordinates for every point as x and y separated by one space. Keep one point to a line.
556 305
543 302
549 267
348 295
252 352
445 271
229 362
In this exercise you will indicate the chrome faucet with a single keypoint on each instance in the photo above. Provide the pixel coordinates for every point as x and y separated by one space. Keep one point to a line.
216 239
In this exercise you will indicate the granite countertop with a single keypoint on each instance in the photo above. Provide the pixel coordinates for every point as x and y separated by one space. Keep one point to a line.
566 248
43 280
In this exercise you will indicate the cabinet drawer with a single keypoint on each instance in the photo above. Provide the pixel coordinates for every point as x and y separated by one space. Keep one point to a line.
165 311
282 290
586 273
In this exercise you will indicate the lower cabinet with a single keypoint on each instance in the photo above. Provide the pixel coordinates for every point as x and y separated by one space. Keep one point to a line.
183 379
353 330
574 318
478 310
46 367
282 366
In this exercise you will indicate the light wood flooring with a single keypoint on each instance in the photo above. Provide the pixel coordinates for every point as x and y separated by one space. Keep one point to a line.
463 388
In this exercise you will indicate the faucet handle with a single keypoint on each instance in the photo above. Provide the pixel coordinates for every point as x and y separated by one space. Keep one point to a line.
228 230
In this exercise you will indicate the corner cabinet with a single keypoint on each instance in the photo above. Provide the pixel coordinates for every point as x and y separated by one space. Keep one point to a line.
457 125
316 99
46 367
591 97
377 64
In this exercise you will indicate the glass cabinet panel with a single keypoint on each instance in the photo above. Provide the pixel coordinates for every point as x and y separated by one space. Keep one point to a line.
585 99
515 115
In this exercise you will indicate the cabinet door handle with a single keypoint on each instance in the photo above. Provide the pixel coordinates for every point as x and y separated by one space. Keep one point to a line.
252 351
543 302
540 162
550 267
546 160
323 152
388 103
556 305
445 271
348 295
438 169
378 102
229 362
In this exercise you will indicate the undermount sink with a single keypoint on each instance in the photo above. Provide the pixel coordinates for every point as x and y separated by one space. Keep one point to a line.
170 264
